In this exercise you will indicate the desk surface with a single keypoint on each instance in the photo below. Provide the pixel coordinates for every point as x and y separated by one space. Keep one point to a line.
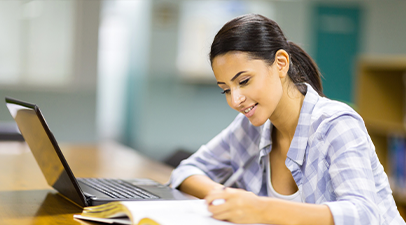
26 198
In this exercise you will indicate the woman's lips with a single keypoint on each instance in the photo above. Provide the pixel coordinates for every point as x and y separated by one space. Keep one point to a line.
248 112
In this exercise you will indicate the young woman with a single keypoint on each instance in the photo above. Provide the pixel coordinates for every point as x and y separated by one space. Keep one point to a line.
315 162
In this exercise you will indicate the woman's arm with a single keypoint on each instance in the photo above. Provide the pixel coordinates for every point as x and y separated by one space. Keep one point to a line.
198 185
213 160
245 207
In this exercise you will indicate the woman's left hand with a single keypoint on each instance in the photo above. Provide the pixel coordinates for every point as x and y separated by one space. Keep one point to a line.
239 206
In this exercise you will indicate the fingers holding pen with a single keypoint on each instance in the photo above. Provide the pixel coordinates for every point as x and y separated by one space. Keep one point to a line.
225 203
222 195
216 196
217 202
238 205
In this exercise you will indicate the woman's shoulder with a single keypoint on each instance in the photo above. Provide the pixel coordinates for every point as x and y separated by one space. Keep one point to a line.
339 126
327 109
323 110
330 114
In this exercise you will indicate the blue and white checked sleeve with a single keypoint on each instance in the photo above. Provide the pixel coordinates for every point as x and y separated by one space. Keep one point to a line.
212 160
349 158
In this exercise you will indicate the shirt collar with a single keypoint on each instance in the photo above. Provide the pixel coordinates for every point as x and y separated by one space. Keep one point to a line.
299 142
265 135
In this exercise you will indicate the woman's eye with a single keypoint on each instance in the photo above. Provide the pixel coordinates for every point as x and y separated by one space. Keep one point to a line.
225 91
244 82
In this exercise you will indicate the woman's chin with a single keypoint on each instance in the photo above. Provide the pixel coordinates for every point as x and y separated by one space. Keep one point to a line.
257 122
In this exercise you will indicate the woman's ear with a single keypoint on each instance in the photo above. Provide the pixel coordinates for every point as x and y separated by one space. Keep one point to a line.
282 62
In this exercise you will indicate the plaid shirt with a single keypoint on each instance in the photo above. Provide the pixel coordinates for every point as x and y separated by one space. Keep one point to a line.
332 160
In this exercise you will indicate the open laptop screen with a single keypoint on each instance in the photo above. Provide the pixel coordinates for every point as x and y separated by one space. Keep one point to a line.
46 152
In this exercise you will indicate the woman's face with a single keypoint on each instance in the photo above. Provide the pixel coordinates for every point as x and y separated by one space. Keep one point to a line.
251 86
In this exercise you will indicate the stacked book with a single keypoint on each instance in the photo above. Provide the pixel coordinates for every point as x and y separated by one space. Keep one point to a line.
397 163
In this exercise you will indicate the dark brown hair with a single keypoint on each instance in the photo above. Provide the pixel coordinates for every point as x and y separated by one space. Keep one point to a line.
261 38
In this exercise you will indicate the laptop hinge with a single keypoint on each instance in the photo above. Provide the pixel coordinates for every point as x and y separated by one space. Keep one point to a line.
89 197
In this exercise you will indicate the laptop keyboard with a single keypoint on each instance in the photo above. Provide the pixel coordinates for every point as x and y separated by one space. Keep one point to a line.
117 189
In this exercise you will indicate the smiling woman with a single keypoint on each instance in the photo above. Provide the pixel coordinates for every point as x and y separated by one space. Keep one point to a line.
316 163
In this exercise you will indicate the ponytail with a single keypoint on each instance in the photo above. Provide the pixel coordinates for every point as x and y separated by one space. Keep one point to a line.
261 38
302 68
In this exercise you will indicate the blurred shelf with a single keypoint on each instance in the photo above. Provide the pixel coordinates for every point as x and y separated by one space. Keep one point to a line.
400 197
384 127
381 101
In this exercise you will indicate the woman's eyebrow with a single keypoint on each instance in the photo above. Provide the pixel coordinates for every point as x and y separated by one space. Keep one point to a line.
238 74
235 77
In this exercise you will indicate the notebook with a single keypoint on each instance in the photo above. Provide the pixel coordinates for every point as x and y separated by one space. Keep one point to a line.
82 191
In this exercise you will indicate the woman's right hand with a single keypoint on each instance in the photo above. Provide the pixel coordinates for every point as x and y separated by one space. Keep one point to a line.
236 205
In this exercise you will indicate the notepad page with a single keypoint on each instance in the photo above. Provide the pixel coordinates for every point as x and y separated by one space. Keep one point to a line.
177 212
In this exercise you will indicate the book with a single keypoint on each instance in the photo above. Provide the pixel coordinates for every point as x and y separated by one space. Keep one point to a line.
397 153
151 213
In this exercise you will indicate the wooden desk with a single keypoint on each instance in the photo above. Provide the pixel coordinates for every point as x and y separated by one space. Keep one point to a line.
26 198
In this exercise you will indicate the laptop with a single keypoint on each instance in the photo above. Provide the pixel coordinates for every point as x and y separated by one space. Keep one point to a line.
81 191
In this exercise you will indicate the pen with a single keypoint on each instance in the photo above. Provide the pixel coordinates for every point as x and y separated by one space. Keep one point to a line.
237 175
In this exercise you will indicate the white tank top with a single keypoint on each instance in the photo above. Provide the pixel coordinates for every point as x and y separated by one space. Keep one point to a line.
295 197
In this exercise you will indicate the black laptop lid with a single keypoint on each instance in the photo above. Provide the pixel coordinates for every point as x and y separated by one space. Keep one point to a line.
45 149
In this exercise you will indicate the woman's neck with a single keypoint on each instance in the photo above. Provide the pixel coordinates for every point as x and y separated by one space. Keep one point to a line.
286 115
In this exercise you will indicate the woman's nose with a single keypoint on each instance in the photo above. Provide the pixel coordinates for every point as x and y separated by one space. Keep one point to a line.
238 99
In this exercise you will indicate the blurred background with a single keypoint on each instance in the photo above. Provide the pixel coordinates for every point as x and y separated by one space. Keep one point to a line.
137 72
